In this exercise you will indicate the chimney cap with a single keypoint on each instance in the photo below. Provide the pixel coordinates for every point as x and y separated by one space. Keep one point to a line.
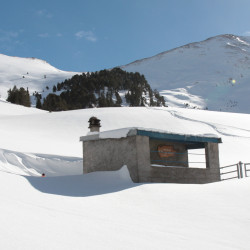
94 122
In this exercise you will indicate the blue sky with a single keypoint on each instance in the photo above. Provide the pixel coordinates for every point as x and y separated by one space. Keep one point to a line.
89 35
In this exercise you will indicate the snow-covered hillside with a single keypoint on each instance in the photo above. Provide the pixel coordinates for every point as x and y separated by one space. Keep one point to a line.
58 133
213 74
105 210
31 73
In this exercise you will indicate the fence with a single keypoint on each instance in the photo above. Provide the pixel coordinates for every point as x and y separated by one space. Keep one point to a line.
235 171
246 169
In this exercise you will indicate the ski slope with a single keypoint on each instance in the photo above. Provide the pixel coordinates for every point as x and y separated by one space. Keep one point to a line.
105 210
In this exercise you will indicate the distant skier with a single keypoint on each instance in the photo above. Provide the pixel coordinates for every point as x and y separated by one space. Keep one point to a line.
43 174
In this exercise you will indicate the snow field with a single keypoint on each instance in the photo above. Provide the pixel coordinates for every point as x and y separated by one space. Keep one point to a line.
58 133
105 210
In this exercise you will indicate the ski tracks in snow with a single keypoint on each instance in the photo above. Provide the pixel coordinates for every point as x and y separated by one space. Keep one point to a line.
219 128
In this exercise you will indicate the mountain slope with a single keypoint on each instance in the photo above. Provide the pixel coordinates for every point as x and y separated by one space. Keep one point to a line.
213 74
31 73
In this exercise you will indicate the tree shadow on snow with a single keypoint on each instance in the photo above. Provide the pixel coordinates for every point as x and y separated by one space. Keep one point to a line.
91 184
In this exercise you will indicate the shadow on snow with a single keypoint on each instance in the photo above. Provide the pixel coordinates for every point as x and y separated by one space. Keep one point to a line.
91 184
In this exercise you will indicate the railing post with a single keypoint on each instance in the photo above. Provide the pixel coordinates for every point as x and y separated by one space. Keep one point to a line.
240 169
245 168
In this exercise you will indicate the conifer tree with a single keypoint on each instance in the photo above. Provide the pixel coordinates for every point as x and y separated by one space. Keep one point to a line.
54 103
19 96
96 90
38 103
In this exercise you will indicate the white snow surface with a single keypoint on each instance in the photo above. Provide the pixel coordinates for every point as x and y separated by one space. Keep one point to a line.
105 210
119 133
211 74
125 132
31 73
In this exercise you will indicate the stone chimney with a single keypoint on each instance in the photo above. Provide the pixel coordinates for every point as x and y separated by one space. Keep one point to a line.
94 124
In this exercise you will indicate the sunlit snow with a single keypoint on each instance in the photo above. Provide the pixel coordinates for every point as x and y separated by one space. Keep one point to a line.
212 74
105 210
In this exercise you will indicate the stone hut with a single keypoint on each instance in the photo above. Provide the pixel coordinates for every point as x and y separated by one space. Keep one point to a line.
151 156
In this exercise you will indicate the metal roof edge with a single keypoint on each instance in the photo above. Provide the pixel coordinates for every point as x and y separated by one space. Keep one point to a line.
178 137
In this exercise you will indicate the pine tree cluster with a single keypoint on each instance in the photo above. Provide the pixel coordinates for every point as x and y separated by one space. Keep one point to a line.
19 96
102 89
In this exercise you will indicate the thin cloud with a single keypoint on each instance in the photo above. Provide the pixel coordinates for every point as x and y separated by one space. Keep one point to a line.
6 36
87 35
46 35
10 39
43 35
78 53
44 13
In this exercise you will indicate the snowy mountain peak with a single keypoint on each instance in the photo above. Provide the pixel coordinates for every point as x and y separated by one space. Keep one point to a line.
226 39
14 60
212 74
31 73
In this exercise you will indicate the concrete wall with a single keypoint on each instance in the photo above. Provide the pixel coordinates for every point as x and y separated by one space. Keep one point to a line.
134 151
180 175
212 160
143 157
112 154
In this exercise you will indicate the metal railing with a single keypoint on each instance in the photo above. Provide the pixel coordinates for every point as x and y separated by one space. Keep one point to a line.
246 169
235 171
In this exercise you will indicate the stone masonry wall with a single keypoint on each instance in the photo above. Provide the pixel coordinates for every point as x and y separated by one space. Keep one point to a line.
110 155
134 151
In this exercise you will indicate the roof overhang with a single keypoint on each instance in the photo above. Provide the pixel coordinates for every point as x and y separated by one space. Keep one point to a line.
191 141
